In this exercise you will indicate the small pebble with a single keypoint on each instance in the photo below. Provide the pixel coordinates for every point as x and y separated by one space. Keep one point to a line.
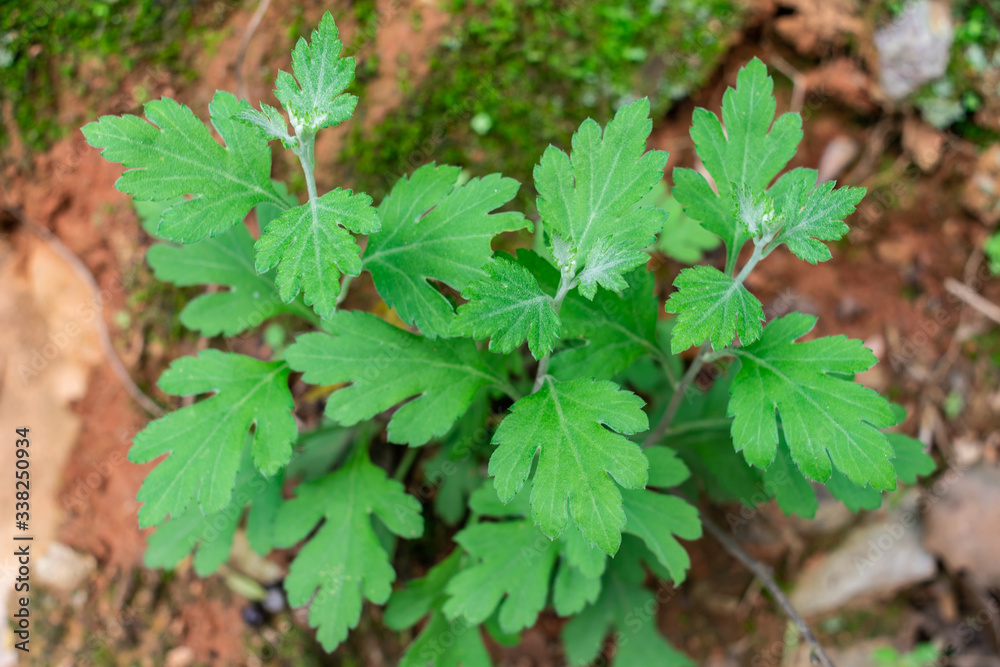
253 615
274 600
849 309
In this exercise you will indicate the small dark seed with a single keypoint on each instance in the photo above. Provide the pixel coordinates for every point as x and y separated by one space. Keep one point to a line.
253 615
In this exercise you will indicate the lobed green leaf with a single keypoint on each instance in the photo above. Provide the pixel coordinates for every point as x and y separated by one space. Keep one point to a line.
174 154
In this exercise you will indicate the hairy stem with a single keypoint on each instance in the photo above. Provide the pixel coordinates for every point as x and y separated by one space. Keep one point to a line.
567 282
306 151
763 573
344 287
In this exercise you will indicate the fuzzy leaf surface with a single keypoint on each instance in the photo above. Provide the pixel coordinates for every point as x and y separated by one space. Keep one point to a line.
606 262
315 97
593 194
212 534
388 366
174 154
811 214
311 245
343 562
827 420
509 307
433 229
712 306
270 123
682 237
578 457
204 440
750 150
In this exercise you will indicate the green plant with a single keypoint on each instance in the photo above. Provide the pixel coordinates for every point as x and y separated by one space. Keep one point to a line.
48 46
992 249
574 478
923 655
561 62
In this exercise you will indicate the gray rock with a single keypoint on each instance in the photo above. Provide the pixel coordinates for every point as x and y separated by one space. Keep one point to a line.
873 561
915 48
962 522
64 569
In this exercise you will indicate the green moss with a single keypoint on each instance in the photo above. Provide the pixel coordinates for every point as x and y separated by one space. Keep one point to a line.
530 72
45 43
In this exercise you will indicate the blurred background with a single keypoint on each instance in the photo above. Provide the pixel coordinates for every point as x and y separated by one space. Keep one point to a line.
902 98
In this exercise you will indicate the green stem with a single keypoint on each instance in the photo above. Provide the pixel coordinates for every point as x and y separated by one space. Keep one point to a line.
567 282
306 313
344 287
409 458
705 353
718 423
306 151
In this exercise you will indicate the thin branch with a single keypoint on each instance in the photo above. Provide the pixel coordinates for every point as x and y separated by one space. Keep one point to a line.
969 296
675 401
241 52
763 572
131 388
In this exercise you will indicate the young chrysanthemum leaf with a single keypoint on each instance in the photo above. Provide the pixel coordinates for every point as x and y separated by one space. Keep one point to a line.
343 562
270 123
712 306
441 643
749 152
212 534
828 421
590 199
224 260
311 245
606 262
204 440
434 229
754 210
578 457
592 195
811 213
512 565
317 100
174 154
628 610
617 330
509 307
388 366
